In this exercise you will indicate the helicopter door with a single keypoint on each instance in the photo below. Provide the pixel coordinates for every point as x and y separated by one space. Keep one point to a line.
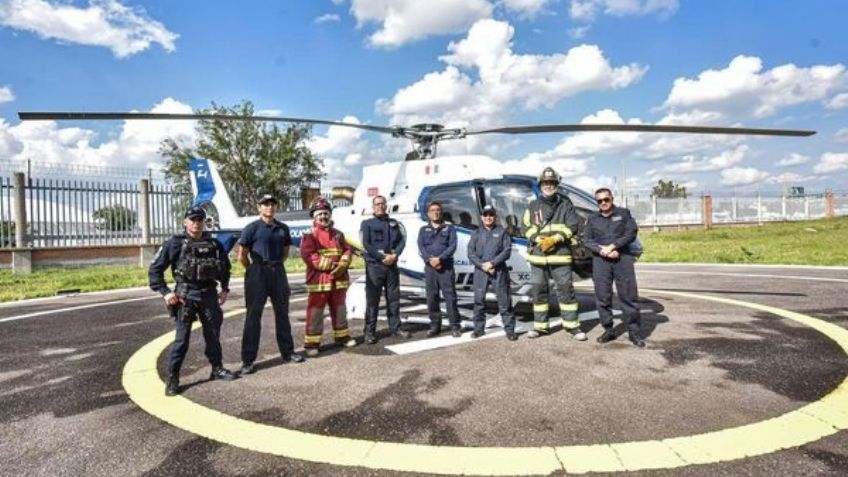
459 204
510 199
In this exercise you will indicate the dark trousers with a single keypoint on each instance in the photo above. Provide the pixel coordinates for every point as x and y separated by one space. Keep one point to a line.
379 277
604 273
444 280
500 285
541 277
260 283
208 311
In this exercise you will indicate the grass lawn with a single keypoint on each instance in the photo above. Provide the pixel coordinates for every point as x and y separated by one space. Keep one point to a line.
814 242
48 281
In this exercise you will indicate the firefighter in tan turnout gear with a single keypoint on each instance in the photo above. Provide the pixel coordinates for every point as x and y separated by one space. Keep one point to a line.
327 256
550 224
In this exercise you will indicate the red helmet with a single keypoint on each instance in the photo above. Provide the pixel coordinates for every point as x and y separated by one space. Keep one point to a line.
320 203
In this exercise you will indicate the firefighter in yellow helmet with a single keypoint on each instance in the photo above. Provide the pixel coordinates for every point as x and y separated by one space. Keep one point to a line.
550 224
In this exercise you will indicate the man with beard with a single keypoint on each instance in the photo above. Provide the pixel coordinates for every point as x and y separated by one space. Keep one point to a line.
549 223
327 256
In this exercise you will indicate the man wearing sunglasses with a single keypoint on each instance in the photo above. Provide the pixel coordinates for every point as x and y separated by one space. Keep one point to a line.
608 234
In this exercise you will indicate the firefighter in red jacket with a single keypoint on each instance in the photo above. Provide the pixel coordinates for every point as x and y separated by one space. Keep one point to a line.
327 258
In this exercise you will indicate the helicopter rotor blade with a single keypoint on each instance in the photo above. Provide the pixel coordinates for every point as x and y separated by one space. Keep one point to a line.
100 116
549 128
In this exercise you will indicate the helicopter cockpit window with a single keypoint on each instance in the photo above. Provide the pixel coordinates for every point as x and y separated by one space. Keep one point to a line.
459 204
584 203
510 199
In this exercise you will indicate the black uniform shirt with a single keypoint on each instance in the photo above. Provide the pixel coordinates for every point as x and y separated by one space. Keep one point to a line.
437 242
486 245
618 229
381 236
266 241
169 255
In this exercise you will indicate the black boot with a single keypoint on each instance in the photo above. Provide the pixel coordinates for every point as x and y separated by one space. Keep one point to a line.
608 336
173 386
220 372
637 340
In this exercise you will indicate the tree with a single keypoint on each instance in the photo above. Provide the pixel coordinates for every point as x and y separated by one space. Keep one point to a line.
115 217
253 158
668 190
7 233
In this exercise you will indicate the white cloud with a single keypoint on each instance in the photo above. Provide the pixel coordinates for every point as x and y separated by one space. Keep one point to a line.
831 162
529 8
484 80
841 135
404 21
743 89
707 164
793 159
136 145
840 101
741 176
578 33
6 94
107 23
344 152
328 17
588 10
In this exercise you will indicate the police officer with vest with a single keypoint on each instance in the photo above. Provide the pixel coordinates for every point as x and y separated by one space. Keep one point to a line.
383 241
436 246
550 223
489 249
608 234
198 263
263 248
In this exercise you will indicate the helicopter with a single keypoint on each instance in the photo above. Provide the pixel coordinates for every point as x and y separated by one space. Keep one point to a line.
463 184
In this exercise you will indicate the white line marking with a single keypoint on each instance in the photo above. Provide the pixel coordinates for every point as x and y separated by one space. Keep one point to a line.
75 308
753 275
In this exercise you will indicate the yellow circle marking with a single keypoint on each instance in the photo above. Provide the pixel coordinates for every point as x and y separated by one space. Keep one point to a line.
824 417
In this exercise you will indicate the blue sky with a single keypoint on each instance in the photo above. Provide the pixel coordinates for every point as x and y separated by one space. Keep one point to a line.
473 63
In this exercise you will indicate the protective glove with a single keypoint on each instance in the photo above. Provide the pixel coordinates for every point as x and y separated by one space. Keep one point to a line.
340 268
548 244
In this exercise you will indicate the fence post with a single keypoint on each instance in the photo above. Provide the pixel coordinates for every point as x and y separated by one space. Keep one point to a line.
144 210
806 207
783 207
735 208
707 207
759 209
21 256
829 210
654 213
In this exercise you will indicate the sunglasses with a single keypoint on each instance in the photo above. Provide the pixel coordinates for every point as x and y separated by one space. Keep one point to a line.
604 200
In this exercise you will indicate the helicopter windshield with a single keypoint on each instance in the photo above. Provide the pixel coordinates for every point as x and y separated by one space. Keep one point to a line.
459 204
510 199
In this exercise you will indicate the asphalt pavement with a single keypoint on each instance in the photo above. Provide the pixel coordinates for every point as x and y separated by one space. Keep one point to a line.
718 358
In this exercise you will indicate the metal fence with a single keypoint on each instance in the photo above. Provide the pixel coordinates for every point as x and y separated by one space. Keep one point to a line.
70 213
651 211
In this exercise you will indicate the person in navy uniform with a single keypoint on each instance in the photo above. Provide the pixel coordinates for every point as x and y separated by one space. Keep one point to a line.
608 234
263 248
436 246
489 249
383 241
198 263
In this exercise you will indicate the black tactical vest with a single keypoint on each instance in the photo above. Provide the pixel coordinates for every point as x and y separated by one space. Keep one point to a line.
199 263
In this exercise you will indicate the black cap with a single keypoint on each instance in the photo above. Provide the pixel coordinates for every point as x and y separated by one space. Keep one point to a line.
195 213
267 198
488 209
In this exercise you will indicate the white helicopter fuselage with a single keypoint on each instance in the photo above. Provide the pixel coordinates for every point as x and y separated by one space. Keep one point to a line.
462 184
